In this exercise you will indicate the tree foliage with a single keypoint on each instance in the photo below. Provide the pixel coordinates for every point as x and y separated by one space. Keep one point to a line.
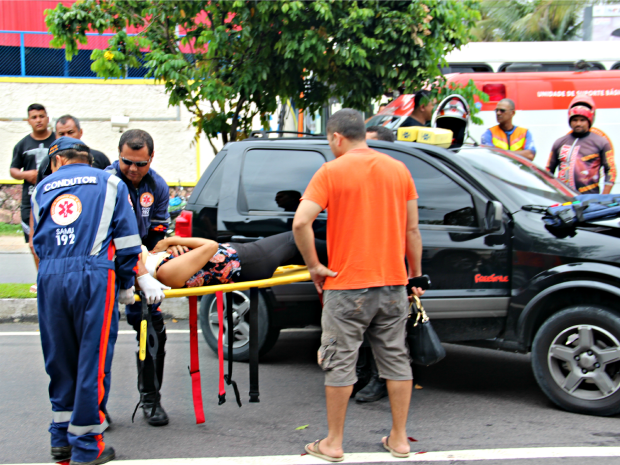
529 20
234 59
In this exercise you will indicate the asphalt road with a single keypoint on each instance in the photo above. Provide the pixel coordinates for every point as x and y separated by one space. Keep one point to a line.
474 399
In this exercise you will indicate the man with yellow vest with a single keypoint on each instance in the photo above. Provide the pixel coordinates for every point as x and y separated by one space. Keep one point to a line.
506 135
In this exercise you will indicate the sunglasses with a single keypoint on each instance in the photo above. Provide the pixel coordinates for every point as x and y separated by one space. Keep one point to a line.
139 164
500 110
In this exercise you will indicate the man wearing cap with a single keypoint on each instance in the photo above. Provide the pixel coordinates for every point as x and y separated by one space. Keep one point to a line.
507 136
149 194
580 155
86 238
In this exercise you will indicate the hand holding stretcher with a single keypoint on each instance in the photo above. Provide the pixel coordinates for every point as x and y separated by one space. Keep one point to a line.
283 275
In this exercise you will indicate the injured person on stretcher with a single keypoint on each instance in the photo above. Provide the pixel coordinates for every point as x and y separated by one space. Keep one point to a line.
206 262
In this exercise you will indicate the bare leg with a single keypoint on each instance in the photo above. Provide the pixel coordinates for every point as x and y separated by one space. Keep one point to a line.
400 397
178 270
337 400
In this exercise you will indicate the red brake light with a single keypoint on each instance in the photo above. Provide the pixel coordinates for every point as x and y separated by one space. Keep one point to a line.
183 225
496 92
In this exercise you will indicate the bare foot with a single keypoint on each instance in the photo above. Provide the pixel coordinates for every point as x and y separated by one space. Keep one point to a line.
397 448
325 451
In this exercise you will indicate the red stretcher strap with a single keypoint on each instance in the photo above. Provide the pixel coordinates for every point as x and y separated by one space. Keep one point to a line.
194 368
219 296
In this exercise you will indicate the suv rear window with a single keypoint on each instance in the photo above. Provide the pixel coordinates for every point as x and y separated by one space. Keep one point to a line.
274 180
210 194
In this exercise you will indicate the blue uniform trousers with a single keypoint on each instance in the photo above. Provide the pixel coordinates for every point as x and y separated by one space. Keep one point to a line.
78 318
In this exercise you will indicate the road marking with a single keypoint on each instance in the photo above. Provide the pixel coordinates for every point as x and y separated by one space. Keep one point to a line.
129 331
533 453
124 331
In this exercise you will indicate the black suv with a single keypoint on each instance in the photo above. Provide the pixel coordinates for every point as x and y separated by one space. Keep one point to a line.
501 279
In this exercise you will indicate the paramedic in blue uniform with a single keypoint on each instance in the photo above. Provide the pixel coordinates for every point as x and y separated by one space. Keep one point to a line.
86 238
150 195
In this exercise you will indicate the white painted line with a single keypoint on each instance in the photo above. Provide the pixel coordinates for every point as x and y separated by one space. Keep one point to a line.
124 331
129 331
535 453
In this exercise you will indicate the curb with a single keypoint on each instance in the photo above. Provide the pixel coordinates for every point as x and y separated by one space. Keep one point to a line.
25 310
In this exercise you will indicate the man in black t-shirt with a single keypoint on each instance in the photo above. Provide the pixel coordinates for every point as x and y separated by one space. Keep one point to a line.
422 110
68 125
28 155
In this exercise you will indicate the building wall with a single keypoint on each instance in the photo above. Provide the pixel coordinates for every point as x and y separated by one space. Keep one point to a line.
94 101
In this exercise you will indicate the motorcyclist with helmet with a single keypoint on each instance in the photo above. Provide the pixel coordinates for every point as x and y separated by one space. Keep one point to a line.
580 155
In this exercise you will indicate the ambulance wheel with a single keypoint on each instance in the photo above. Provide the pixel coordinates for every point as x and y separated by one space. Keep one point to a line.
576 360
267 335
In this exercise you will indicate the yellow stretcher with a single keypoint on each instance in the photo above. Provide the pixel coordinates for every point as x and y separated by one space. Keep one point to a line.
283 275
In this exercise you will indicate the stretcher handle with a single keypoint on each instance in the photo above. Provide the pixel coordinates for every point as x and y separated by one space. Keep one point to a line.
143 328
283 275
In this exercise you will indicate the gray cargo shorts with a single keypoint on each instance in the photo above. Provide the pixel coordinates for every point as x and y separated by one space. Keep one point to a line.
381 312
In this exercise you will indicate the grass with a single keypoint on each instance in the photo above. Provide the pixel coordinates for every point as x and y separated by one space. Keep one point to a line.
16 291
10 229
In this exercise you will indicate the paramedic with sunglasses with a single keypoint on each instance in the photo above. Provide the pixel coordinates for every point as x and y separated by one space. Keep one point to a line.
149 196
507 136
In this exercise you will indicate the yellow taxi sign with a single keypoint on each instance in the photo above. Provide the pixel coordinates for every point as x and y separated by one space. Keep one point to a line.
433 136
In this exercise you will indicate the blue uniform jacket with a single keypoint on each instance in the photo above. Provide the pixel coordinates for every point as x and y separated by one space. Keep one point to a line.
150 201
83 218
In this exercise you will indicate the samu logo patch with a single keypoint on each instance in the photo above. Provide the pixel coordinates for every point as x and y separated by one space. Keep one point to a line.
147 199
66 209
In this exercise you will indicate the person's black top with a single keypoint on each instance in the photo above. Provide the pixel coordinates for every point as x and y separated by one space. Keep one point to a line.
411 121
101 161
28 154
260 259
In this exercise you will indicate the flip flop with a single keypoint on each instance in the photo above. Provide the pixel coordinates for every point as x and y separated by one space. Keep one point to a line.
317 452
394 453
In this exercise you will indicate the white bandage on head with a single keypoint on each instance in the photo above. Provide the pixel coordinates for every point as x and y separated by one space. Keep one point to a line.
152 262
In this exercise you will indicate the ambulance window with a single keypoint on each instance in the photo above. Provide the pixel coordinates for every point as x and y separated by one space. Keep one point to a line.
274 180
441 200
545 66
467 68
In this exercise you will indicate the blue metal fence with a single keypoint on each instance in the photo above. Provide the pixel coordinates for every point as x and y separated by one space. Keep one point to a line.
28 54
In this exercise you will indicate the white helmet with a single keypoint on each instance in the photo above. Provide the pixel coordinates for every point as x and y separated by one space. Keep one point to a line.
453 113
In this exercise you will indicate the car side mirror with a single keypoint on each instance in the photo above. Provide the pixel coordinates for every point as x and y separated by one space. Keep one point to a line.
493 217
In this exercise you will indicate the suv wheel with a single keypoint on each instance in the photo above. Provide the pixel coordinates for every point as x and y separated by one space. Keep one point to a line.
576 360
209 323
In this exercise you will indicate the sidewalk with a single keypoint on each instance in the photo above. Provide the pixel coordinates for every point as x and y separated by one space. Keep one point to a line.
17 266
13 244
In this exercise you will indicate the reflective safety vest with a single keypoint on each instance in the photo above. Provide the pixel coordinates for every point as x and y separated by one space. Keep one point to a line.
516 140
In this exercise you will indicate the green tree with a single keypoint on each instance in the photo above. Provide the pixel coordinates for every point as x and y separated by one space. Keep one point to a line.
247 54
529 20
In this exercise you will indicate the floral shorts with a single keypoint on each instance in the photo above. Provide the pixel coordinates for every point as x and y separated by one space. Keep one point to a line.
223 268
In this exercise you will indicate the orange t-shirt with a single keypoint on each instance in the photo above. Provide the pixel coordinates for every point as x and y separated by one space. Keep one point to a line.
366 195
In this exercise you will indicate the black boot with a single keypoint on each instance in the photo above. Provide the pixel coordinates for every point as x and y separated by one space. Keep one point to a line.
61 453
106 456
149 389
375 389
363 369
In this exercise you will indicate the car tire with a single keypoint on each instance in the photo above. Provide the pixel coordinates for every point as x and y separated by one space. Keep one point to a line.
267 335
576 360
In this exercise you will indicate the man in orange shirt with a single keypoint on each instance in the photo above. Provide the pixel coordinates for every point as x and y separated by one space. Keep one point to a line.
372 226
